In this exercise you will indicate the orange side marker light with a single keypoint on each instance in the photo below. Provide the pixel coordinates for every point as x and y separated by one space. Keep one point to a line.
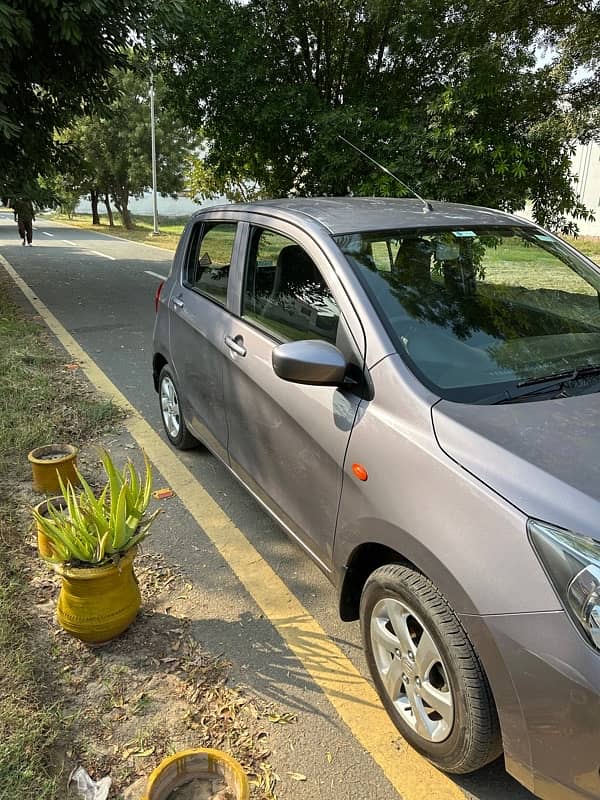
360 472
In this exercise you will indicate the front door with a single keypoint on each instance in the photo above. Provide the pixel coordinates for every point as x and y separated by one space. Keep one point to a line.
287 441
198 317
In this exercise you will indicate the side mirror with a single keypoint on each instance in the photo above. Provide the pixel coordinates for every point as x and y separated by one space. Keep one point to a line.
311 362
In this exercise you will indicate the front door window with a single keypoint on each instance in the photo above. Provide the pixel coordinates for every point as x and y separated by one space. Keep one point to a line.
285 293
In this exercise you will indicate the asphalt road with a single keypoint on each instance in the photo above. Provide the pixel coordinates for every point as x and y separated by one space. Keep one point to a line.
102 291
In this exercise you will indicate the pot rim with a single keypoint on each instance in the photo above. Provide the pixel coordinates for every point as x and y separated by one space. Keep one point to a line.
58 501
89 573
68 451
217 755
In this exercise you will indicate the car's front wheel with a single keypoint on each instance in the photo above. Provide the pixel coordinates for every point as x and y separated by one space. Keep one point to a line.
426 671
170 411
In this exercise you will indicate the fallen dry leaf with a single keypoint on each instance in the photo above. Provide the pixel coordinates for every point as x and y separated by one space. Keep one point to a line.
283 719
297 776
163 494
143 753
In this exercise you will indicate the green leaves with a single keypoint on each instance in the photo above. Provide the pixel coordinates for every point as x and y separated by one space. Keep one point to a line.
39 95
93 529
433 96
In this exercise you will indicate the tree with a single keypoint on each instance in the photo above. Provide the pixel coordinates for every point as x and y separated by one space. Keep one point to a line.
114 146
450 97
578 43
207 184
57 57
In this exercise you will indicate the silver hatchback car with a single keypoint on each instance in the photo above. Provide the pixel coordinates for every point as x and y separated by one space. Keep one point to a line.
413 393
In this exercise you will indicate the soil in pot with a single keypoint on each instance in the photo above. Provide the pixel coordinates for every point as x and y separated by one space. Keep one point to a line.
201 774
203 789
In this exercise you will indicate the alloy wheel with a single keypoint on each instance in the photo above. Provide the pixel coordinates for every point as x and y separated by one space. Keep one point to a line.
169 406
411 669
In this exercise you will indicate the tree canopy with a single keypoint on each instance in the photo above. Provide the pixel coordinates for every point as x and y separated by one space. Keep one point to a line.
110 149
452 98
56 61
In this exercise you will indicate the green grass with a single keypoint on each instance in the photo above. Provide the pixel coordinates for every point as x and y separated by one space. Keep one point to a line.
170 228
588 245
40 402
29 720
517 263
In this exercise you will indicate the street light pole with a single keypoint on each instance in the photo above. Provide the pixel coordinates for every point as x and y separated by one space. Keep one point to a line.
156 231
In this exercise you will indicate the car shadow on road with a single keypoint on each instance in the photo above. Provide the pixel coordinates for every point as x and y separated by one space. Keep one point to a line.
266 663
275 674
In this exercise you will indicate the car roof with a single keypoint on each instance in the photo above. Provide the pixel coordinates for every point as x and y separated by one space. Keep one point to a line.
348 214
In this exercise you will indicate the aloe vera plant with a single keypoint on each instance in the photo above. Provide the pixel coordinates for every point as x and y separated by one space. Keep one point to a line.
94 529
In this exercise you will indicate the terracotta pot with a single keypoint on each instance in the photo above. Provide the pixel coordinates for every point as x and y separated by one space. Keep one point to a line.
96 604
51 460
201 763
45 547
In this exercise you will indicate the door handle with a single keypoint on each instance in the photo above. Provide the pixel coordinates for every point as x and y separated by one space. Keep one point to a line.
236 345
177 303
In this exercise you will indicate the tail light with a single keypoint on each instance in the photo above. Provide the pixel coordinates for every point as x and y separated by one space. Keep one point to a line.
157 296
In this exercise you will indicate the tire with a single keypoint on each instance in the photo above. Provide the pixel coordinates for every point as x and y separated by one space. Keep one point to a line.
170 412
428 676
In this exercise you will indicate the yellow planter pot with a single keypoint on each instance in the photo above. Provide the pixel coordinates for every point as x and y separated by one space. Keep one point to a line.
45 547
201 763
96 604
50 461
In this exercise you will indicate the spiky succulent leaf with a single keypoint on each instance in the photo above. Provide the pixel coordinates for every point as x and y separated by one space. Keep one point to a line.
119 520
133 487
143 529
102 544
63 534
115 479
147 488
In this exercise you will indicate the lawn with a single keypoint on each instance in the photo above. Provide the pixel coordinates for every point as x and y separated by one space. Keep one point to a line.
170 228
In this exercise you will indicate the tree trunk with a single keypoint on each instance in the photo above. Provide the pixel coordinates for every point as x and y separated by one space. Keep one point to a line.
111 221
94 200
125 213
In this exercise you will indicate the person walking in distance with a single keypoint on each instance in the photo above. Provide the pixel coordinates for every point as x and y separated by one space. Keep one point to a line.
24 216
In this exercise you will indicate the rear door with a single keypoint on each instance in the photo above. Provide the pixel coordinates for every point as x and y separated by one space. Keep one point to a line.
286 441
199 321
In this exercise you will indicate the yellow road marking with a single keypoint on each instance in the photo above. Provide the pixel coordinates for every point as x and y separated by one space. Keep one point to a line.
352 696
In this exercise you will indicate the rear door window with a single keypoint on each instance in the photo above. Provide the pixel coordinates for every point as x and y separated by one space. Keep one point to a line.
210 259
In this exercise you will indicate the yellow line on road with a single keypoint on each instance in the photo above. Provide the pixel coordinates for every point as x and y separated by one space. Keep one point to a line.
349 693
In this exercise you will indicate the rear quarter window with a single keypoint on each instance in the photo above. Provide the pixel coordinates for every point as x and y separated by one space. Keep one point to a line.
209 259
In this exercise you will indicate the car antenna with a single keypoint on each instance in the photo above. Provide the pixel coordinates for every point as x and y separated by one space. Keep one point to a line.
426 204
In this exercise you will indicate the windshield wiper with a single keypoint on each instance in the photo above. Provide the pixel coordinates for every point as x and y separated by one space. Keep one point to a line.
565 375
546 384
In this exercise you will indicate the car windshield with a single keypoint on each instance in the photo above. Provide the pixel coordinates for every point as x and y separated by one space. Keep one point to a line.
481 311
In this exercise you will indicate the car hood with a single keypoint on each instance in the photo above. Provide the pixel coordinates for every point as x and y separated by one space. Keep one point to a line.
543 457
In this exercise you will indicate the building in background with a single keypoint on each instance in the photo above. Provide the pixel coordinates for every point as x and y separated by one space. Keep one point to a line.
181 206
586 165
